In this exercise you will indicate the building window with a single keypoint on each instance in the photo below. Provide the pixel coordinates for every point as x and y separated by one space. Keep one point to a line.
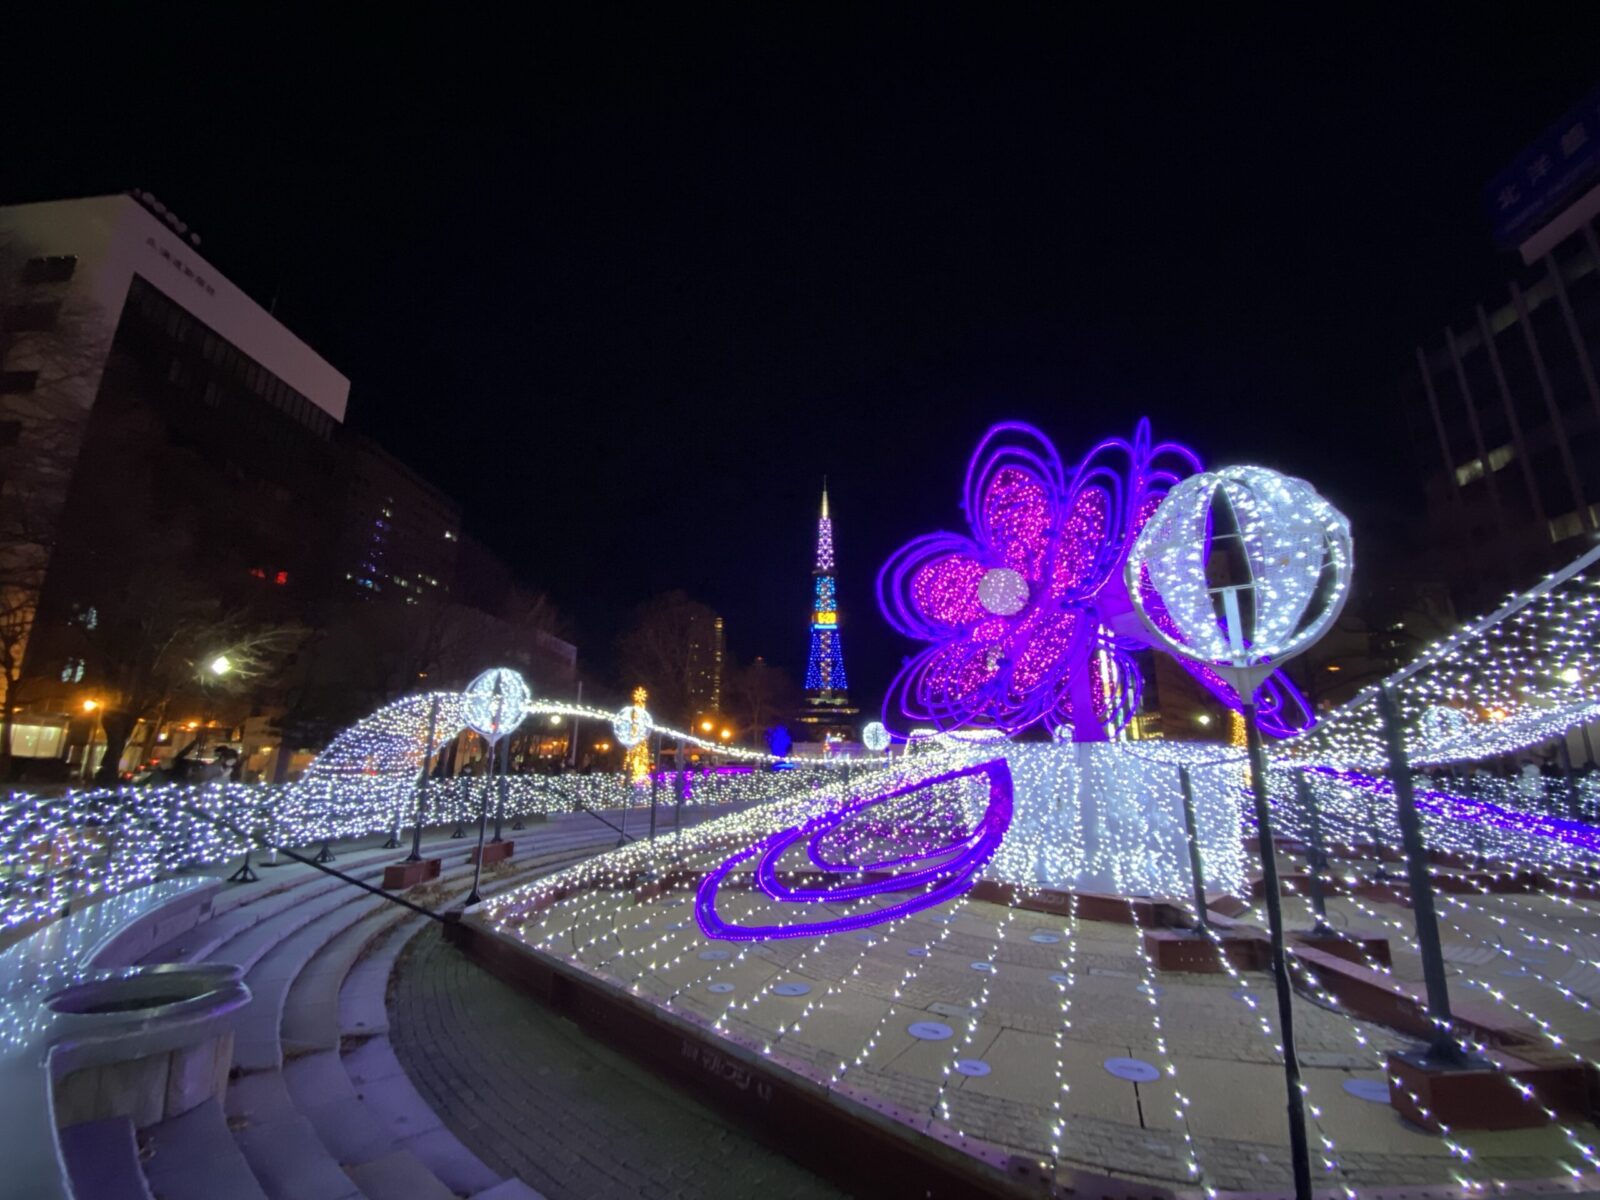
36 317
1568 526
72 671
1498 459
16 383
51 268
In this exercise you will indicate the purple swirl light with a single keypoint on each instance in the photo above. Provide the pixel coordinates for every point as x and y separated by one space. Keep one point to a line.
945 879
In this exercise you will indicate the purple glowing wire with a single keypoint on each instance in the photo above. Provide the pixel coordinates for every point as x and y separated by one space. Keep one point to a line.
952 877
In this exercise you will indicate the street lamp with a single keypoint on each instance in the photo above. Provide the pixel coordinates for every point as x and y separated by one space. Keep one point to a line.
220 665
1240 570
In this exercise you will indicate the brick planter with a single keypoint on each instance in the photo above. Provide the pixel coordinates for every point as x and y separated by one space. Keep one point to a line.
493 852
1483 1097
1360 950
1181 950
397 877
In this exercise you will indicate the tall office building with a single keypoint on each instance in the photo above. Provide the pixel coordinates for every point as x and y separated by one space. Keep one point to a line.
150 410
1504 404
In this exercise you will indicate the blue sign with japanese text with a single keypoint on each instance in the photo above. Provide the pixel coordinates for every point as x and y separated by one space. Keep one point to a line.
1563 161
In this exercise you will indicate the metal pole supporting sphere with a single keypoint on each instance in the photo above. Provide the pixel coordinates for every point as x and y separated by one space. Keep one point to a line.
1299 1148
483 826
1186 786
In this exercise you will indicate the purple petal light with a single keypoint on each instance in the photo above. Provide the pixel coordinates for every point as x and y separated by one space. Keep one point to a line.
1059 649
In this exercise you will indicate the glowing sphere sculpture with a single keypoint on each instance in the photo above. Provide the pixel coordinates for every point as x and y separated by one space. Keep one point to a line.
875 737
494 703
1241 569
1029 616
632 725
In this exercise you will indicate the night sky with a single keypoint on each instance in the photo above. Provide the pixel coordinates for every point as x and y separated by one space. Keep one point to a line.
629 290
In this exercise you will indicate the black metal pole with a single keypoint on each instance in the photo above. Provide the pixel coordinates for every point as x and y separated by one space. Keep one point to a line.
483 824
682 787
1186 786
1298 1147
460 831
627 803
422 783
1316 857
655 781
1443 1048
1574 808
503 749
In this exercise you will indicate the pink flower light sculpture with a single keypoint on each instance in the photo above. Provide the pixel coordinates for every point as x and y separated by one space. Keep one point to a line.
1029 618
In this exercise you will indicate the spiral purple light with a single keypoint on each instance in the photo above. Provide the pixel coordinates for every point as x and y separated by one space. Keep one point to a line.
948 878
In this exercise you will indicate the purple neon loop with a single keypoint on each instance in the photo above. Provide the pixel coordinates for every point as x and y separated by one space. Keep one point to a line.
954 876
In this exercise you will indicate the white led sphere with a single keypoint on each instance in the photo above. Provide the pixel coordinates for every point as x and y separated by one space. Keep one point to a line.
495 702
875 737
1241 567
632 725
1002 591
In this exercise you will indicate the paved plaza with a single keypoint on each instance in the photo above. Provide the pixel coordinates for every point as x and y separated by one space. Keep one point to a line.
1016 1027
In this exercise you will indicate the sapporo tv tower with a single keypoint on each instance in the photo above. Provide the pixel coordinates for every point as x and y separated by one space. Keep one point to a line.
827 715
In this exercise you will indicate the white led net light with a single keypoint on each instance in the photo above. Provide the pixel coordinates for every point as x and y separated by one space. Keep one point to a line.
1292 544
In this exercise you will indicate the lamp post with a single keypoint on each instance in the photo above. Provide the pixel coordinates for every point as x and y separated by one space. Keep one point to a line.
492 706
422 782
1240 570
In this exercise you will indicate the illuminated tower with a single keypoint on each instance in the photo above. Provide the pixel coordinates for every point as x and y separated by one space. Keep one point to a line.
828 708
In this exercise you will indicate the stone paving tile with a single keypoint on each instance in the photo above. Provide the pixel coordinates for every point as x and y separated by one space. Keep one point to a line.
532 1096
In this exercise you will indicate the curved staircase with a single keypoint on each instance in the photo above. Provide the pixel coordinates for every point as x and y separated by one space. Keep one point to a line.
317 1106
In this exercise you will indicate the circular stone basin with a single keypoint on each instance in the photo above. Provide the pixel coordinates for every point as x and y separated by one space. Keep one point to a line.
147 990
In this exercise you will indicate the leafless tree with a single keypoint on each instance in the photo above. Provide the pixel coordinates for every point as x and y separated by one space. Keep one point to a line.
664 649
761 696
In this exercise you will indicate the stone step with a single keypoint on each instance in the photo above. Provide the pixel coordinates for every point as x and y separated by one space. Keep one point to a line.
373 1071
399 1175
311 1013
290 1162
194 1157
509 1189
102 1159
